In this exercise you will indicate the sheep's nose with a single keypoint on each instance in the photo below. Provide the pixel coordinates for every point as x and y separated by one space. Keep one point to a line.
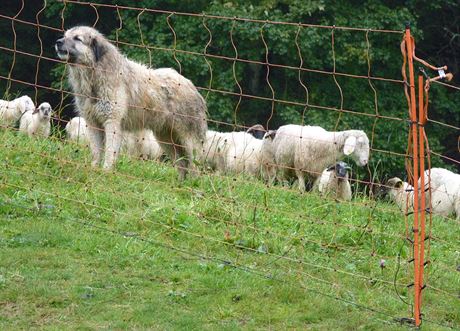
59 42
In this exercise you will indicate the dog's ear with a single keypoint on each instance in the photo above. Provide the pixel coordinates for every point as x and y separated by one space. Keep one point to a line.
98 49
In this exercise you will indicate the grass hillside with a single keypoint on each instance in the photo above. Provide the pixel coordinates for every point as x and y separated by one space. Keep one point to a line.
136 249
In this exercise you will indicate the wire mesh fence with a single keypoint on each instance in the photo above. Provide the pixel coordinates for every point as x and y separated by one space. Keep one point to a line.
241 209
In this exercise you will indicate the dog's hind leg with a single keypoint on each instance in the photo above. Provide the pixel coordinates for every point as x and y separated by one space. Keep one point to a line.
175 152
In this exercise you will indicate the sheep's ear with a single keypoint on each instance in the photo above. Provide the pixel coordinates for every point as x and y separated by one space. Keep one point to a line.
399 184
332 167
98 49
36 110
349 146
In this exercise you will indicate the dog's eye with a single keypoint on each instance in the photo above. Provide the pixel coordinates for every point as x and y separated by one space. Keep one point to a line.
77 38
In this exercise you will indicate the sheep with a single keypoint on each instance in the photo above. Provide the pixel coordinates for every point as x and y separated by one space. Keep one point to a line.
214 148
11 111
142 144
401 193
334 182
267 157
77 130
37 122
238 152
308 150
445 191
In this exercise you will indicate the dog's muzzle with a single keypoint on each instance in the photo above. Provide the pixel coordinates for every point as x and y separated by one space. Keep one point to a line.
59 47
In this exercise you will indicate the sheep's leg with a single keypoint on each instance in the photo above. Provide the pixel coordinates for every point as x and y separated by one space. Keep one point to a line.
96 144
113 137
301 177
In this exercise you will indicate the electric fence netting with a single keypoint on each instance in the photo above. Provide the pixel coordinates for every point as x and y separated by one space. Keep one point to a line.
395 263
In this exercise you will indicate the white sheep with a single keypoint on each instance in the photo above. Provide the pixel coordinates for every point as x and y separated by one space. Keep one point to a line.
334 182
267 157
77 130
11 111
142 144
307 150
401 193
37 122
214 149
238 152
445 191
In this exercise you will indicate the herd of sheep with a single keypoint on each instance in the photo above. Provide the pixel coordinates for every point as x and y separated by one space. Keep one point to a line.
309 155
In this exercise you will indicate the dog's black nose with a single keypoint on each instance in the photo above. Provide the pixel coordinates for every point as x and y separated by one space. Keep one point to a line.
59 42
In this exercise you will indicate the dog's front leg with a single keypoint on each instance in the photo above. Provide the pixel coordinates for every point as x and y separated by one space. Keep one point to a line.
113 137
96 143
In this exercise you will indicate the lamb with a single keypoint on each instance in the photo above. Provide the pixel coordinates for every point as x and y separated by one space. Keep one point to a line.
401 193
37 122
142 144
11 111
334 182
307 150
77 130
445 191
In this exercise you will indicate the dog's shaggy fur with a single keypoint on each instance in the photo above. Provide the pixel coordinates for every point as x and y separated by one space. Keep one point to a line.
114 93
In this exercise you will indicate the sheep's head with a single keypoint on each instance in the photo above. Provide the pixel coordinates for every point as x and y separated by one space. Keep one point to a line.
26 103
395 183
257 131
357 146
341 169
269 135
44 110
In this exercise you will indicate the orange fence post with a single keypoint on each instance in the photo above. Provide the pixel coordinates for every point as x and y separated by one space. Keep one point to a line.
421 129
414 131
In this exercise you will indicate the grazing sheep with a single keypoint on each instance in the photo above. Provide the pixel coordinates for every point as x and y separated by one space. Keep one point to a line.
142 145
445 191
214 149
115 94
308 150
37 122
77 130
237 152
401 193
334 182
11 111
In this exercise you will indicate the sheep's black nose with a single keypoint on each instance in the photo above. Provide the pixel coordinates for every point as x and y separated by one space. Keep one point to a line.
59 42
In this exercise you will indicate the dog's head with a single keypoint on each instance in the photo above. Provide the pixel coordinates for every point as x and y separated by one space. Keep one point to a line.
81 44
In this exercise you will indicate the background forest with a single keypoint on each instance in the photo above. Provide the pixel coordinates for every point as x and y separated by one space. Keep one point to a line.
148 37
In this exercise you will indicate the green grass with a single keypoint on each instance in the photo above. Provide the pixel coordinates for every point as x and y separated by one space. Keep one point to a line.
137 249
